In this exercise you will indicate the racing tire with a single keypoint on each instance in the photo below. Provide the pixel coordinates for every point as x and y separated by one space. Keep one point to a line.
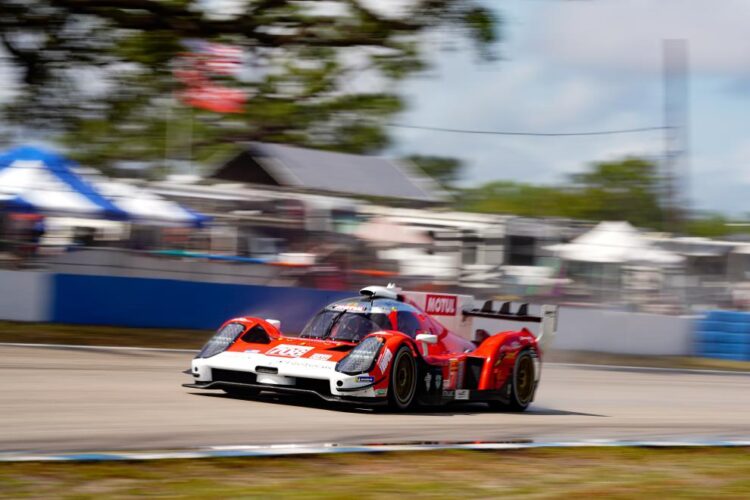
522 385
241 392
402 387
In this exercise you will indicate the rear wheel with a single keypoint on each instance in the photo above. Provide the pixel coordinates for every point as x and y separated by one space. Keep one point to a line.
522 384
403 384
241 392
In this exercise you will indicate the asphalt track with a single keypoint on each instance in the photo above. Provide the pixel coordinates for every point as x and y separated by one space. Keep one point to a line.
59 400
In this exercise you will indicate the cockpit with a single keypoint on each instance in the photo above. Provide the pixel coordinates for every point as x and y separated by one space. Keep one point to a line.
352 319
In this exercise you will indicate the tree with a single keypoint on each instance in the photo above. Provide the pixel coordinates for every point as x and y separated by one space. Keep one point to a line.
99 73
628 189
445 171
519 199
620 190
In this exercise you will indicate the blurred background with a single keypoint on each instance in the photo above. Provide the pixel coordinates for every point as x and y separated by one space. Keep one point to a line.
172 163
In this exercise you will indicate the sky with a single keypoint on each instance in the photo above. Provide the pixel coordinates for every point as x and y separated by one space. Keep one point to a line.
569 66
582 65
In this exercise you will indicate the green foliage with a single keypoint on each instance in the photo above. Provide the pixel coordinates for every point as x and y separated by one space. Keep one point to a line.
619 190
519 199
445 171
623 190
713 225
99 73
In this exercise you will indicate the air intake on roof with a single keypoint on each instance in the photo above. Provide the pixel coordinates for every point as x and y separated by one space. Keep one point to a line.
385 292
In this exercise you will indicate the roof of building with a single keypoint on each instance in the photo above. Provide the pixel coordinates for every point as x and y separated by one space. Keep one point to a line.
326 171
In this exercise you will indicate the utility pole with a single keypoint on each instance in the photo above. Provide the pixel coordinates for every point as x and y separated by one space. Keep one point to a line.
675 165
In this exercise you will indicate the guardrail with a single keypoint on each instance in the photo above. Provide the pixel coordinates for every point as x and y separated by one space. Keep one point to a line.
178 303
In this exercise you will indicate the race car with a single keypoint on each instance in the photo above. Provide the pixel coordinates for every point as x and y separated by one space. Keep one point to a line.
385 347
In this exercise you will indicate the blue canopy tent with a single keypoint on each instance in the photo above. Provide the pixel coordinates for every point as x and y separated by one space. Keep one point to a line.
15 203
36 180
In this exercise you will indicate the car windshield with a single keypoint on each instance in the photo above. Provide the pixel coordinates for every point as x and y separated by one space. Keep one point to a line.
345 326
353 326
320 325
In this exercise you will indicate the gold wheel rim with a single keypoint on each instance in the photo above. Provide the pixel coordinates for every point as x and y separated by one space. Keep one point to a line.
524 379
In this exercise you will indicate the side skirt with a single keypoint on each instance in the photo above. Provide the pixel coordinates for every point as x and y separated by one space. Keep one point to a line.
463 396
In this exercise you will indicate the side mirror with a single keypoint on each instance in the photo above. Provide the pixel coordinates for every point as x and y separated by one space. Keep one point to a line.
427 338
275 322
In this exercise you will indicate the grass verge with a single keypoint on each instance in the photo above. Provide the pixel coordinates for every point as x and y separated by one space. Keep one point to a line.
578 473
53 333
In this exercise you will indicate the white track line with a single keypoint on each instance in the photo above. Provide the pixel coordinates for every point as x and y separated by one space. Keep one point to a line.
332 448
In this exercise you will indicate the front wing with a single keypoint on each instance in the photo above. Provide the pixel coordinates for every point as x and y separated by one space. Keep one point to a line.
305 376
286 374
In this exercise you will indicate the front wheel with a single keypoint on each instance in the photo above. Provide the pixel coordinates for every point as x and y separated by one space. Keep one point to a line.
522 384
403 383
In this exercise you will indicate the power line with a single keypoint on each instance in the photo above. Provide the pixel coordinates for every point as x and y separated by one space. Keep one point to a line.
531 134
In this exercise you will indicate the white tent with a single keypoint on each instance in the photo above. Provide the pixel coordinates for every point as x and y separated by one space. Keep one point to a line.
614 243
146 207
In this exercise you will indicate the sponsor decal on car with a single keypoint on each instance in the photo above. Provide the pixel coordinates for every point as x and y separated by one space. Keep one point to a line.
365 378
381 392
441 305
349 307
427 381
450 382
384 360
306 363
320 357
289 351
462 394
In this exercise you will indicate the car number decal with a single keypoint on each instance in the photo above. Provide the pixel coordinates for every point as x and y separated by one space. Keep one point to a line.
384 360
289 351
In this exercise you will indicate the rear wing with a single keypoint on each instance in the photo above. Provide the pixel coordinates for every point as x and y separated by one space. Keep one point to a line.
547 319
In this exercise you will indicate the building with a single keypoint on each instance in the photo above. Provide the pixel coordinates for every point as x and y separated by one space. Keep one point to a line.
315 171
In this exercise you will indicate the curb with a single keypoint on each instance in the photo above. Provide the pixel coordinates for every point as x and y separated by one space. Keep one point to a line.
332 448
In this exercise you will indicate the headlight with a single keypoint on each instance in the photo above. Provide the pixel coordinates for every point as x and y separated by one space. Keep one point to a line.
361 358
222 340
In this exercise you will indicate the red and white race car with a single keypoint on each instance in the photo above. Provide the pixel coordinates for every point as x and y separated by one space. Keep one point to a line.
386 346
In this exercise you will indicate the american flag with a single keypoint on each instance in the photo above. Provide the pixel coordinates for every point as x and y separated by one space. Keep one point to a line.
203 61
217 58
223 59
